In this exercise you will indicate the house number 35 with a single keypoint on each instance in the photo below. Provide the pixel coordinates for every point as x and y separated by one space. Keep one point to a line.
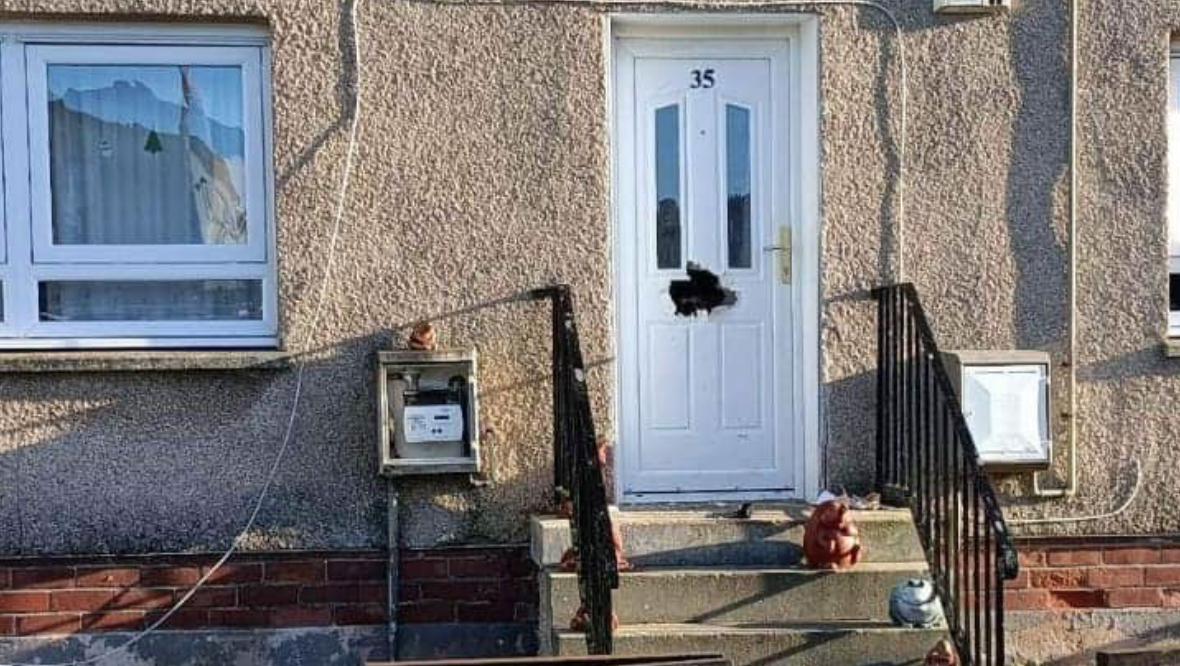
702 78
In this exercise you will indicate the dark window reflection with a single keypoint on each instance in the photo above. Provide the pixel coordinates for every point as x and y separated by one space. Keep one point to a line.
737 178
668 187
1174 292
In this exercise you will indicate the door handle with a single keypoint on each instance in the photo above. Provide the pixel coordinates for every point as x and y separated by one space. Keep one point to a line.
783 249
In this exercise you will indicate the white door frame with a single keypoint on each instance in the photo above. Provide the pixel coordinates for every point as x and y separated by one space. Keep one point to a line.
800 31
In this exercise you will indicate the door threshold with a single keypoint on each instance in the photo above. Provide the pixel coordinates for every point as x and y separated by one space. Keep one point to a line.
709 499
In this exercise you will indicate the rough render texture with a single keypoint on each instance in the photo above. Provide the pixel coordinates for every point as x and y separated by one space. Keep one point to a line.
482 171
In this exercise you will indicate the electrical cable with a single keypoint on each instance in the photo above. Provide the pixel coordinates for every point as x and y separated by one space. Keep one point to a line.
297 391
339 213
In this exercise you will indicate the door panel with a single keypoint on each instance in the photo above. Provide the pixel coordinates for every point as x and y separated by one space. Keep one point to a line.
712 403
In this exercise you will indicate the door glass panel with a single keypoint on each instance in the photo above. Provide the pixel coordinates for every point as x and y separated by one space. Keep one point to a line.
147 155
142 300
668 186
737 180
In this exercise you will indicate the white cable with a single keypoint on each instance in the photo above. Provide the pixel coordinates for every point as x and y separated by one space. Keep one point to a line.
298 391
1085 519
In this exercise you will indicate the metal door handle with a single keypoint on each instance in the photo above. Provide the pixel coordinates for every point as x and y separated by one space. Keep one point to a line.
784 256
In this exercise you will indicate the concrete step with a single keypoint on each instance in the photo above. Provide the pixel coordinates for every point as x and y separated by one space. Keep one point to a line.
770 537
735 595
828 644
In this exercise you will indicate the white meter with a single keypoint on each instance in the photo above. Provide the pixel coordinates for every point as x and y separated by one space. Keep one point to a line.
433 423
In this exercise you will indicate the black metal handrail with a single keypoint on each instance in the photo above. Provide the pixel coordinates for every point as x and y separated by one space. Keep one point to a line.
925 452
578 474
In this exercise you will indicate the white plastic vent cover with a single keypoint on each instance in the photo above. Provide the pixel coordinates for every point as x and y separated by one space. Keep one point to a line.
1006 407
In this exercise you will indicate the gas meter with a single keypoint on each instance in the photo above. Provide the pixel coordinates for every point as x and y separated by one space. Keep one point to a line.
427 413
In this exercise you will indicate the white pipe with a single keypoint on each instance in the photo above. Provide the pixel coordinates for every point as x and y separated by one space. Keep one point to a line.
1070 415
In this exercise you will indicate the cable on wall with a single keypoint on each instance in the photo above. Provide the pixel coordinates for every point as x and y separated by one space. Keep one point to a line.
297 392
337 221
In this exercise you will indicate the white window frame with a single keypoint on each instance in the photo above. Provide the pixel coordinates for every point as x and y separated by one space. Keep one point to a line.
1173 181
27 254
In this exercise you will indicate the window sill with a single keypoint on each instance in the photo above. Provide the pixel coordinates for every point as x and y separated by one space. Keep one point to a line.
143 361
1172 347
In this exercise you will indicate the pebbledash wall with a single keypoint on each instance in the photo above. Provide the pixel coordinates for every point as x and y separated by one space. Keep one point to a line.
482 171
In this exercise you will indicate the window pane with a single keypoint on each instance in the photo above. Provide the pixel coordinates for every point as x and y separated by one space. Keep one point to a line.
147 155
134 300
1174 292
668 187
737 179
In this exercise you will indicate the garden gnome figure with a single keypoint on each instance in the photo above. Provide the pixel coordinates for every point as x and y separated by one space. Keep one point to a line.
423 338
830 538
942 654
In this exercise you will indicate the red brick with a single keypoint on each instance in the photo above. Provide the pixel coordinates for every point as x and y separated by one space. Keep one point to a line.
24 602
517 590
184 618
301 617
1171 598
422 612
1104 578
166 576
1031 558
1138 597
117 621
1031 599
93 600
213 597
1162 575
356 570
7 625
423 570
359 614
1058 579
56 623
294 572
526 612
522 567
479 567
348 594
1065 558
235 573
42 577
486 611
239 617
1132 556
269 595
5 578
107 577
1076 599
1170 555
461 591
1019 583
408 593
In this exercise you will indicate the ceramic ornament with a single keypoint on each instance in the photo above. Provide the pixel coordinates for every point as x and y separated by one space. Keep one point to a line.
914 603
830 538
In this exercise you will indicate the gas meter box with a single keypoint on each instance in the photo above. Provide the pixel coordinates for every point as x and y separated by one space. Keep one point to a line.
427 412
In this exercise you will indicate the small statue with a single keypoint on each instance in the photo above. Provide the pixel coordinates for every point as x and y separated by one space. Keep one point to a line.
830 538
423 338
914 603
942 654
581 620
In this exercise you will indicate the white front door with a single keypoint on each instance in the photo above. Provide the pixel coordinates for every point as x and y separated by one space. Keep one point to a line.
703 190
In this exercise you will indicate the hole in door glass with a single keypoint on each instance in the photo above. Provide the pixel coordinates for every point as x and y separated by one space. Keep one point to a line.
668 186
737 182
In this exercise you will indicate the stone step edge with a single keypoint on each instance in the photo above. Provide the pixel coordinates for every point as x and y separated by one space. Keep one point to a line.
917 566
686 628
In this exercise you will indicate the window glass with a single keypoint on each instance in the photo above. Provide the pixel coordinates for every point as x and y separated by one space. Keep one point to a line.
147 155
135 300
668 186
737 184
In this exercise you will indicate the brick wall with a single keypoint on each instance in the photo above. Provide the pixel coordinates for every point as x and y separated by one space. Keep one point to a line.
463 585
1079 574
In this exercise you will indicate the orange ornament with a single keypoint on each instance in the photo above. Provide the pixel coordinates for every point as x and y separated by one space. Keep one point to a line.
830 538
424 338
942 654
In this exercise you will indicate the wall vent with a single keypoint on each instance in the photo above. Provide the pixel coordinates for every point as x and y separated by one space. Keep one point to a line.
969 6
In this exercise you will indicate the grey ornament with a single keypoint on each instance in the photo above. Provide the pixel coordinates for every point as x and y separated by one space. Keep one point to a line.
914 603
